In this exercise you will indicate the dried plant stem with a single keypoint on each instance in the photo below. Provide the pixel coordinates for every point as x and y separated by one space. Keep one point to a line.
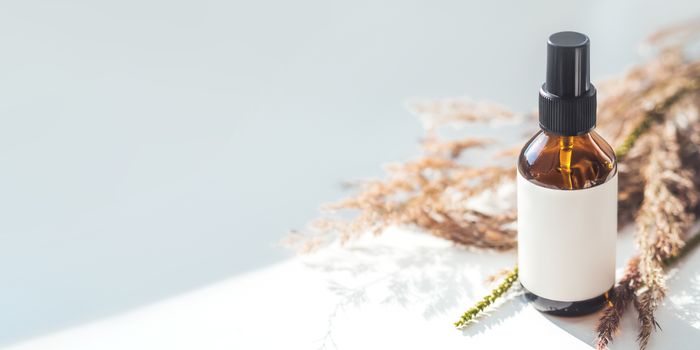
620 297
489 299
662 221
666 214
624 293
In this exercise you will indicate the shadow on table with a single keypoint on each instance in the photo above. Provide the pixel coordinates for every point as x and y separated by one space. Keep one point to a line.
679 316
419 273
676 333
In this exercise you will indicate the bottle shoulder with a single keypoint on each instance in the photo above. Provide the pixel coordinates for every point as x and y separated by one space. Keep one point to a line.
567 162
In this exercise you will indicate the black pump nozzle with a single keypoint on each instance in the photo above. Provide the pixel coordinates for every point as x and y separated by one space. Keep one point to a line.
568 64
567 98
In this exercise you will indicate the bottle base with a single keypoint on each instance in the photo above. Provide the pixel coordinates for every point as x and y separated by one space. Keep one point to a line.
567 308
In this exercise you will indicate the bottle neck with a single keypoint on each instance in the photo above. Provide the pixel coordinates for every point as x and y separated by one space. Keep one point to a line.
567 116
557 134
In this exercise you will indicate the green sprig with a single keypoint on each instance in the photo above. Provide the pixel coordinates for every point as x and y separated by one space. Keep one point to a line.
632 138
489 299
652 116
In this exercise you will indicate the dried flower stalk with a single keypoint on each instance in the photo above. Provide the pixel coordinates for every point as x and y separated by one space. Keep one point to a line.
662 221
620 297
667 212
430 193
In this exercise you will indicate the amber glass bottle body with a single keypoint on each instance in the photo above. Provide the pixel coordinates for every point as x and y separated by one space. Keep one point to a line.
567 163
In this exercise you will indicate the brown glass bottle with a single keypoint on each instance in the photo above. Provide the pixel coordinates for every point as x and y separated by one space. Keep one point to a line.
567 191
567 163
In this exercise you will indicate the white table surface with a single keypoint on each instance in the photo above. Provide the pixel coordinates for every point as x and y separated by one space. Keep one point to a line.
401 290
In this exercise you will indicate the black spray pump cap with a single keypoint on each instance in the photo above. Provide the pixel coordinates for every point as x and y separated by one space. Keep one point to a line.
567 98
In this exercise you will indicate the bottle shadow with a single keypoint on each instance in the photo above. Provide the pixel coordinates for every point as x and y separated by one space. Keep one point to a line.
678 316
675 333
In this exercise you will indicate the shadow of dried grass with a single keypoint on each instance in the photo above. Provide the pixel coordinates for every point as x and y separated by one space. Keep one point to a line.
421 273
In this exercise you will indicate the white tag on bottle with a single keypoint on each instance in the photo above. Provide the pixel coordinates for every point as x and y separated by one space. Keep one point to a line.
566 240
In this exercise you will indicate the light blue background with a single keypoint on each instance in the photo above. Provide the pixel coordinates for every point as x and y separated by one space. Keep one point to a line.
151 147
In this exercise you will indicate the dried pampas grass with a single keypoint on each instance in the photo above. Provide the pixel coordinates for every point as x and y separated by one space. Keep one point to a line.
620 298
429 193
